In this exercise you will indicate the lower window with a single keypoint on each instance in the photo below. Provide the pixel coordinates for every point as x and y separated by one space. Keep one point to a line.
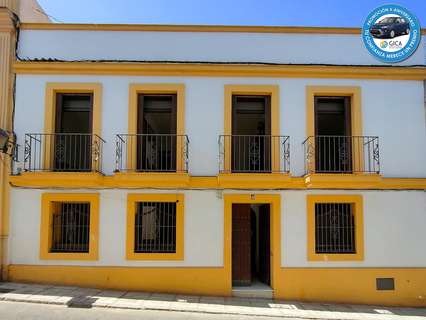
335 227
69 226
155 226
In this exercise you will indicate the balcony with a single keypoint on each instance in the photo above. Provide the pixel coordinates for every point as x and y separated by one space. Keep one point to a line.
152 153
342 155
254 154
63 152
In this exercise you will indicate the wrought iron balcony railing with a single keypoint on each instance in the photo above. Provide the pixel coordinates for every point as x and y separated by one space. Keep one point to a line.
62 152
152 152
342 154
254 154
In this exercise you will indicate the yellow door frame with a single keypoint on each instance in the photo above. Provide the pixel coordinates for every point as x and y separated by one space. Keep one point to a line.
274 200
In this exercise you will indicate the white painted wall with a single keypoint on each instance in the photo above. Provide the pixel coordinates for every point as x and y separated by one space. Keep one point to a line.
203 229
393 229
393 110
200 46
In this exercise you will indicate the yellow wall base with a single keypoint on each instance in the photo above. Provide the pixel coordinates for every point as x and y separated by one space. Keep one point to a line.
203 281
353 285
348 285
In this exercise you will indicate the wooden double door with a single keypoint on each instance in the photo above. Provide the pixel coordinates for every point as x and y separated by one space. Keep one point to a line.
250 244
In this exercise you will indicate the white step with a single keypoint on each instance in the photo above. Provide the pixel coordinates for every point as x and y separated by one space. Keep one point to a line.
256 290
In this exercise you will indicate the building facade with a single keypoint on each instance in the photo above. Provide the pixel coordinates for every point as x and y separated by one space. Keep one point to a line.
215 160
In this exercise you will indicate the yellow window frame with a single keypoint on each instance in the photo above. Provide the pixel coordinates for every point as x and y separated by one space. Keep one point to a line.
132 199
267 90
157 88
357 202
47 205
52 88
354 92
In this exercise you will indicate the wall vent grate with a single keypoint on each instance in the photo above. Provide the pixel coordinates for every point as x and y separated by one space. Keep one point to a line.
385 283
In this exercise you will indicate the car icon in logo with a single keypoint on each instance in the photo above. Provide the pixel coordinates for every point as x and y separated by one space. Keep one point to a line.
390 27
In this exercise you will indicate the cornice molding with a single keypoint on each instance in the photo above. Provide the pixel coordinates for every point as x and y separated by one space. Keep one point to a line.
191 28
221 70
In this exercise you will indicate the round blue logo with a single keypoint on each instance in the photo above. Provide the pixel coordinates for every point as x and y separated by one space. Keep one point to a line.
391 33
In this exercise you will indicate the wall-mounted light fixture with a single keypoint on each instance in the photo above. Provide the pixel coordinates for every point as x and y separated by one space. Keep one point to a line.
5 142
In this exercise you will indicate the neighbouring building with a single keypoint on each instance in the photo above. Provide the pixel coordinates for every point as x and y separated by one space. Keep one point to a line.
270 161
12 12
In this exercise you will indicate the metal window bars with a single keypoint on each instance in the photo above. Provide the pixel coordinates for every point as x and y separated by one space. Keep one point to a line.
254 153
334 228
70 227
152 152
342 154
155 227
73 152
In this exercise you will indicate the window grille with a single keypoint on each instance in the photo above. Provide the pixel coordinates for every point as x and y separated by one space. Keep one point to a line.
155 227
70 227
334 228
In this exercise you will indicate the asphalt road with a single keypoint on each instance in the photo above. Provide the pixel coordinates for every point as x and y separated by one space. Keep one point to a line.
34 311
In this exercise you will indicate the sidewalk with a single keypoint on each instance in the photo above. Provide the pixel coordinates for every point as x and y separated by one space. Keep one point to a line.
88 298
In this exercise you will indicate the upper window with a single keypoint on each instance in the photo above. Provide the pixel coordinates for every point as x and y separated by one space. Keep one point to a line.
251 142
335 227
333 141
156 139
74 113
73 132
71 139
155 226
251 133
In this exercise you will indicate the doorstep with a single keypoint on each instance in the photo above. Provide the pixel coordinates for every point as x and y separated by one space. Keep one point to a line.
96 298
256 290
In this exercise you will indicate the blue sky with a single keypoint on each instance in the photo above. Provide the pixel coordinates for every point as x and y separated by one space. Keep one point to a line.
339 13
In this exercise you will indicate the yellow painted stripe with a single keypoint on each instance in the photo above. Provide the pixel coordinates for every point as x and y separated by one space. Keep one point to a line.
223 181
221 70
190 28
187 28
